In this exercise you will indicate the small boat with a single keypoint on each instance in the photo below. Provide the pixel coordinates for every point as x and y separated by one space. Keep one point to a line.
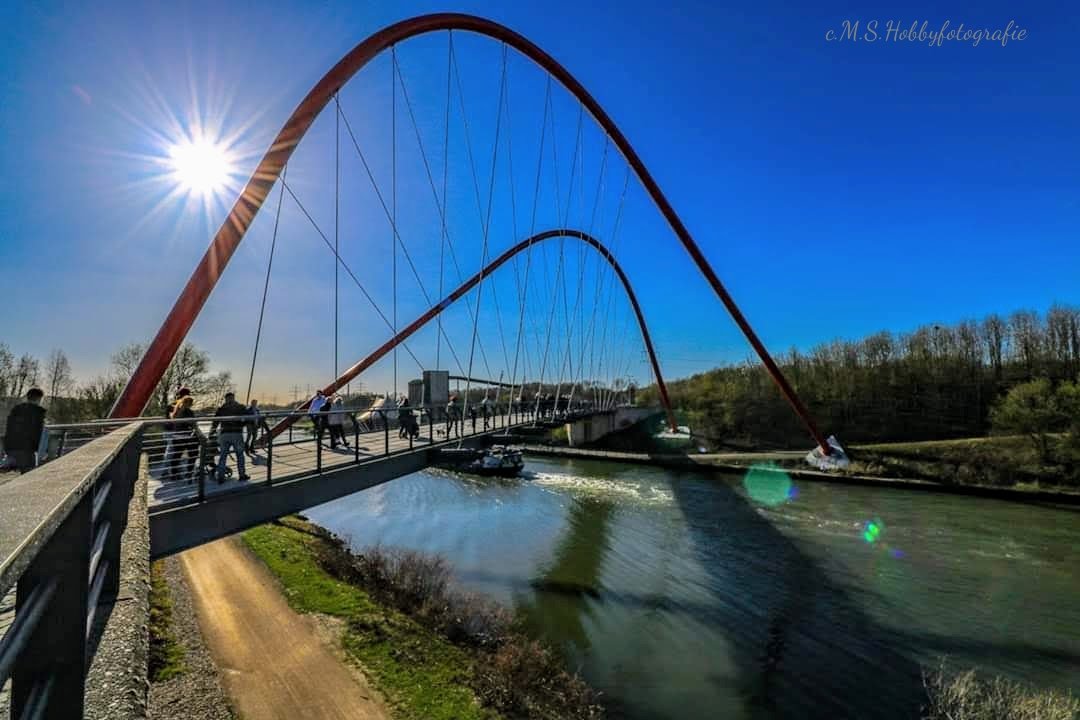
496 461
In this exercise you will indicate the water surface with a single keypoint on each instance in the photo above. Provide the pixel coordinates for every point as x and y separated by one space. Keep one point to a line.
688 595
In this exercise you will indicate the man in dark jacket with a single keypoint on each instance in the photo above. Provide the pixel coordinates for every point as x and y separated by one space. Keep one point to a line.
231 436
24 425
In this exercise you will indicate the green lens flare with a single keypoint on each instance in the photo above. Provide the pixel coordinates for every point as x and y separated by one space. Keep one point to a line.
872 531
768 485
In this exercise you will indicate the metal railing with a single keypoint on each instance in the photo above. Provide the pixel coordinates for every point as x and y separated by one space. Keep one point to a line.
60 548
187 451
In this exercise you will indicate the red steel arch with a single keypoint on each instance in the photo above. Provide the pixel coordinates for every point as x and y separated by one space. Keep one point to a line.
159 354
472 282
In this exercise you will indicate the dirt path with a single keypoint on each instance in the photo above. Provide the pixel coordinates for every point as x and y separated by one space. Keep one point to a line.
273 663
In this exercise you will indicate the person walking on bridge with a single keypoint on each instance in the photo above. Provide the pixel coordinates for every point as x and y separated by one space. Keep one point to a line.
485 410
452 417
182 441
22 434
254 426
231 436
314 408
336 422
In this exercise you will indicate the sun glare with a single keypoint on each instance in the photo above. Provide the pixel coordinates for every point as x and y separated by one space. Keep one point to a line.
201 167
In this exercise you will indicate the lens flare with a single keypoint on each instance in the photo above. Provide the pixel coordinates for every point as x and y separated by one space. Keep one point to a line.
768 485
872 531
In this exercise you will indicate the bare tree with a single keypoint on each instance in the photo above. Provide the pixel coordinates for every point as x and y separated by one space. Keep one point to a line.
215 387
25 375
7 370
190 367
58 378
98 395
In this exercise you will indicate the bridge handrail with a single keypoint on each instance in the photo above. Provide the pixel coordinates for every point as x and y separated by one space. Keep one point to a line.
60 530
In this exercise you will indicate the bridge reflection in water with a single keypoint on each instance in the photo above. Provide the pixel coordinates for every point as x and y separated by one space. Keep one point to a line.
676 595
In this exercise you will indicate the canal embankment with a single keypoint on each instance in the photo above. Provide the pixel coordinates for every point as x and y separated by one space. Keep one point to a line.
433 651
871 472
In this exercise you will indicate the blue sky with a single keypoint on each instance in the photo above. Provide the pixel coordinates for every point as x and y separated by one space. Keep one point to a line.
838 187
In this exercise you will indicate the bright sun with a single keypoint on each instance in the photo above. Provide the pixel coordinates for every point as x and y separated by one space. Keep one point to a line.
200 166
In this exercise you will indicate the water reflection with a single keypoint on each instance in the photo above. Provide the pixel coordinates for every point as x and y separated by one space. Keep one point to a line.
565 590
805 648
680 596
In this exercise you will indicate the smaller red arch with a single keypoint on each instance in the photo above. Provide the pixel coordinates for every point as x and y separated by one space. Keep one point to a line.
381 351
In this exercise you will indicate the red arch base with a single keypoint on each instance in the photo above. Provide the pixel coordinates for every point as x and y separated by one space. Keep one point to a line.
159 354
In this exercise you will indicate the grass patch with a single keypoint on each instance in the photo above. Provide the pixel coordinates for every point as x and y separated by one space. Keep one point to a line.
965 696
423 675
1003 461
166 655
438 653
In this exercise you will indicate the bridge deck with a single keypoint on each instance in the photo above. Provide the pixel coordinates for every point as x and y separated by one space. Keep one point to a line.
299 459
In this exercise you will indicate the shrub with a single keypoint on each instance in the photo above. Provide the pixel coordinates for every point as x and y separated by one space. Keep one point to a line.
964 696
514 675
1033 409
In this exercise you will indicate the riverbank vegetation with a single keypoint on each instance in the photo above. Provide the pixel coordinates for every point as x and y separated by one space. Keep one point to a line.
166 655
434 651
965 696
1003 376
933 383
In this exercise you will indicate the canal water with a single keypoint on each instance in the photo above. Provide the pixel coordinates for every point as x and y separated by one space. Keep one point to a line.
689 595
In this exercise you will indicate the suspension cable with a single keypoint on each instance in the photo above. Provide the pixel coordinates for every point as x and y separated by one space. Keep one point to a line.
485 220
266 282
345 265
393 197
393 225
528 251
446 165
586 335
337 204
610 286
441 206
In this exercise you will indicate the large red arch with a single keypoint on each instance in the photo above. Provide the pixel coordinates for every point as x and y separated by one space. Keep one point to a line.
475 280
159 354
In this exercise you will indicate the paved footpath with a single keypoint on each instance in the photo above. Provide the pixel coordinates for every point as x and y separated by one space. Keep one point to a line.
273 663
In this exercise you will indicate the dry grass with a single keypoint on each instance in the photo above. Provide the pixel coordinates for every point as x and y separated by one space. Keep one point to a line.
965 696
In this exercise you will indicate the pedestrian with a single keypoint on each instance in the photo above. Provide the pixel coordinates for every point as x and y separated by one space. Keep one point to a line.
336 422
231 437
472 416
404 417
180 459
25 423
316 406
452 417
169 428
324 420
254 425
485 410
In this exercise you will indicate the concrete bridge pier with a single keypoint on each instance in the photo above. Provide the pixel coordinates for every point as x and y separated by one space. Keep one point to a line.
590 429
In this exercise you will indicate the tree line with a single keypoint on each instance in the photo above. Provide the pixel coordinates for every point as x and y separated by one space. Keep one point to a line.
938 381
68 399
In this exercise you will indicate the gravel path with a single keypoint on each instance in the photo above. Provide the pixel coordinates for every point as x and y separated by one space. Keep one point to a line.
196 694
275 664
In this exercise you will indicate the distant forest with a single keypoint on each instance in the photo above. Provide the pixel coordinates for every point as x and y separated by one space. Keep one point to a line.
937 382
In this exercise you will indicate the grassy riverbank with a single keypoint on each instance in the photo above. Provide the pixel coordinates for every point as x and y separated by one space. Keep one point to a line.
992 461
967 696
435 653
